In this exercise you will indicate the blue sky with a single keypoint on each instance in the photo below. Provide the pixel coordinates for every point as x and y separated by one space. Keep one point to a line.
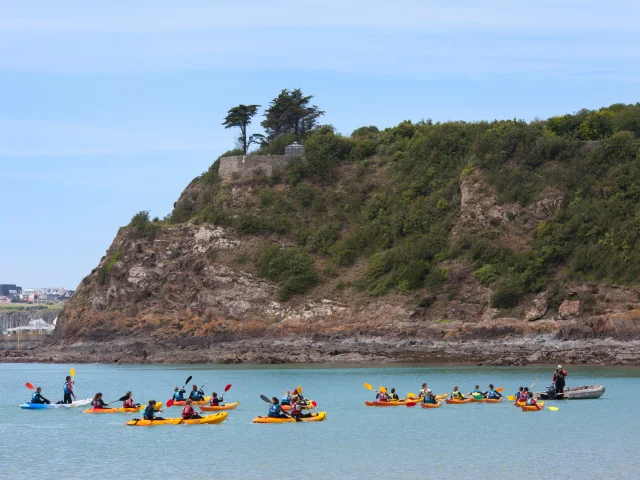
108 108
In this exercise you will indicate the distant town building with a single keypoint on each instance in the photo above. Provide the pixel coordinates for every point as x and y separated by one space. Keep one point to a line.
10 290
294 150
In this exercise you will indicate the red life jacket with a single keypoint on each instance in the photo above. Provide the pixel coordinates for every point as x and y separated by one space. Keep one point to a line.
296 409
128 403
522 397
187 412
214 402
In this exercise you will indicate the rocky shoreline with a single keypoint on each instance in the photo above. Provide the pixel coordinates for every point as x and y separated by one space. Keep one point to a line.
541 349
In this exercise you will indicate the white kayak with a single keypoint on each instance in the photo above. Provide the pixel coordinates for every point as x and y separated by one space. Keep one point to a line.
41 406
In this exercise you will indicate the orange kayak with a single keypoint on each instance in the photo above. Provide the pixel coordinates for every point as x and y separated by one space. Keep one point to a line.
531 408
431 405
455 401
180 403
228 406
395 403
478 400
494 400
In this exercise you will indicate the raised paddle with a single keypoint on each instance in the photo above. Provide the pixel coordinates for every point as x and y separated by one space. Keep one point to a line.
31 387
411 404
262 397
368 386
72 372
186 382
382 390
500 390
169 403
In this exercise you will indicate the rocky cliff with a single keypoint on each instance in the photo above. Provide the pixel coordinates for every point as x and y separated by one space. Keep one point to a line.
463 268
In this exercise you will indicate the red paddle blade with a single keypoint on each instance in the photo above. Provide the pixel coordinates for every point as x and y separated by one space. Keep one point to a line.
227 388
169 403
411 404
29 386
314 403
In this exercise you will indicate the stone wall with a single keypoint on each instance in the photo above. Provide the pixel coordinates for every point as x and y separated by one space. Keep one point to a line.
250 166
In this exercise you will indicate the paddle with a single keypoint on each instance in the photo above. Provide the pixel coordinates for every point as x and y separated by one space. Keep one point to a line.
534 383
31 387
553 409
169 403
121 399
368 386
262 397
72 372
411 404
186 382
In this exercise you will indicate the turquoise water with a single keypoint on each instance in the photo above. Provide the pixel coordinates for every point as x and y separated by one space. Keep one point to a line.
590 439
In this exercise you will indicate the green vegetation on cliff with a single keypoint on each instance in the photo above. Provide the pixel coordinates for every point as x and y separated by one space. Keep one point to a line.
392 198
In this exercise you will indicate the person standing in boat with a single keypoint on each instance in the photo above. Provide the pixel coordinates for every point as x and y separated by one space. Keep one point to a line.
558 379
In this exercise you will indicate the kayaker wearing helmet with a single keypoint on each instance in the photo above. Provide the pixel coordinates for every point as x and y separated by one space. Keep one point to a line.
456 394
286 398
297 405
150 411
178 394
558 379
275 410
215 401
393 395
196 395
492 394
128 403
429 397
38 398
98 402
188 413
531 401
67 390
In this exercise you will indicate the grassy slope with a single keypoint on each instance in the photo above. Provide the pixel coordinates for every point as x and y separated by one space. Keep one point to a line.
390 200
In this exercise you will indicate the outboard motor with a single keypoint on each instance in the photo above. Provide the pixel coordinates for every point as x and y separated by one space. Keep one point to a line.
551 392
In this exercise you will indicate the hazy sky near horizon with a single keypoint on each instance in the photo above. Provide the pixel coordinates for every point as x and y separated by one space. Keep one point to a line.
108 108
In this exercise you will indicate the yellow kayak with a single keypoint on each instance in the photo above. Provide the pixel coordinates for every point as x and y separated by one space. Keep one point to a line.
228 406
317 417
180 403
157 407
215 418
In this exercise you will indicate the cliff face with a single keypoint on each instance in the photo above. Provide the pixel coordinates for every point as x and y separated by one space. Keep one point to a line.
501 243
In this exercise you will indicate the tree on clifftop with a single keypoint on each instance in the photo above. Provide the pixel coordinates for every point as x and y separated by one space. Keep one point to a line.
290 112
241 116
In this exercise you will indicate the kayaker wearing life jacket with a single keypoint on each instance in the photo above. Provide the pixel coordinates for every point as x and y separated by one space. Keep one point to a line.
98 402
423 390
128 403
456 394
150 411
531 401
37 397
275 410
393 395
520 390
492 394
67 389
195 394
476 392
188 412
297 406
286 398
215 401
522 395
558 379
178 394
429 397
382 397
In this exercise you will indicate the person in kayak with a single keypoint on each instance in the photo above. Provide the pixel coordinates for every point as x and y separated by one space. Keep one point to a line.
382 397
522 395
286 398
128 403
517 395
423 390
38 398
196 395
178 394
531 401
429 397
456 394
558 379
150 411
491 394
97 401
393 396
275 410
188 413
297 405
476 392
67 390
215 401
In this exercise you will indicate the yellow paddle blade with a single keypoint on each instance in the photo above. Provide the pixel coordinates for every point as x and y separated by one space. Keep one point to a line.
299 390
500 389
553 409
72 371
441 396
411 395
368 386
511 398
382 389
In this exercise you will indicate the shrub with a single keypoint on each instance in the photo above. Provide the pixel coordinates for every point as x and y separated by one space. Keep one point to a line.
142 227
292 268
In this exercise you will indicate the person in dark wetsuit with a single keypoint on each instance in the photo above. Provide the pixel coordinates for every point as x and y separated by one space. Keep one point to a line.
558 379
38 398
215 400
178 394
188 413
275 410
297 406
492 394
98 402
150 411
195 394
67 389
429 397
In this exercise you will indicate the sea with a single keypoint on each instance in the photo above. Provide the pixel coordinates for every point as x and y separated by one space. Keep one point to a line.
583 439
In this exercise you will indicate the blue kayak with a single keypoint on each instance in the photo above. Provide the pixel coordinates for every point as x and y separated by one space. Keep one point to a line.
42 406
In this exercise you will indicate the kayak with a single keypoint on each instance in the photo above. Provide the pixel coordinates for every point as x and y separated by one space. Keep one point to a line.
286 408
478 400
317 417
228 406
532 408
207 419
157 407
180 403
394 403
494 400
432 405
523 404
455 401
41 406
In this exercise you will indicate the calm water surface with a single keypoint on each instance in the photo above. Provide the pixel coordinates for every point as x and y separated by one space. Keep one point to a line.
589 439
